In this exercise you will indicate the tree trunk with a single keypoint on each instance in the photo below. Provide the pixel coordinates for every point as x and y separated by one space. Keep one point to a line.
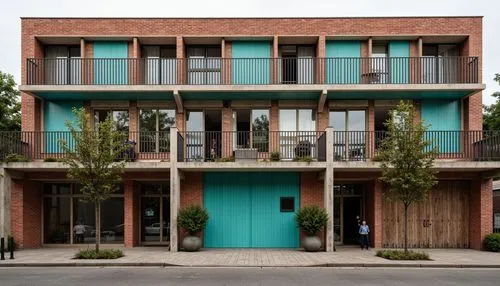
97 226
406 229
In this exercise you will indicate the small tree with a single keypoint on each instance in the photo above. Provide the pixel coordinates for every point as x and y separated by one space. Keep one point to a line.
92 159
406 160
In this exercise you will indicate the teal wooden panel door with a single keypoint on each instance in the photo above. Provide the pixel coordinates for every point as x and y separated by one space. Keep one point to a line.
343 63
399 51
111 64
443 116
251 62
227 200
244 210
271 227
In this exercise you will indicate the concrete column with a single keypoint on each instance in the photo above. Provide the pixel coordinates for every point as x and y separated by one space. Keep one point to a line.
328 191
175 190
420 47
82 48
5 228
370 47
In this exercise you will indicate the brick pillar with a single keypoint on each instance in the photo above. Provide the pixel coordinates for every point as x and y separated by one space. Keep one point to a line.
133 113
275 62
480 211
321 54
370 152
26 211
181 64
227 135
373 214
131 213
274 127
191 193
322 118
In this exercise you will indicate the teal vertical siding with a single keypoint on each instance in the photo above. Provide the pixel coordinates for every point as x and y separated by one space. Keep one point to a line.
443 115
108 71
343 63
252 64
244 210
56 113
400 51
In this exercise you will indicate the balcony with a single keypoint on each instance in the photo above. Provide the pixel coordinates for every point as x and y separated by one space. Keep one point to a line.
228 146
46 145
258 146
252 71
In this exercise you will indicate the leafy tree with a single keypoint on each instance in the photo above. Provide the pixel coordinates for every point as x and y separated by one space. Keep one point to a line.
92 162
491 116
10 105
406 160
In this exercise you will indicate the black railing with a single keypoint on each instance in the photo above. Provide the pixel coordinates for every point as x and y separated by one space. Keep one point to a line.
42 145
253 145
465 145
251 71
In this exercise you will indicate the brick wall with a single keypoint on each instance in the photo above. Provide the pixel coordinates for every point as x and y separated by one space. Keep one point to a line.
312 193
373 215
191 194
26 211
481 211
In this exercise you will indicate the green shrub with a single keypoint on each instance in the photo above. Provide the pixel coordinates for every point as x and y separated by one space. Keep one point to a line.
401 255
50 159
492 242
16 158
275 156
225 159
193 219
311 219
307 159
102 254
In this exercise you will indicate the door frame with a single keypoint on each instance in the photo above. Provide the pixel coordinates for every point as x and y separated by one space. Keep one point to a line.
362 202
160 196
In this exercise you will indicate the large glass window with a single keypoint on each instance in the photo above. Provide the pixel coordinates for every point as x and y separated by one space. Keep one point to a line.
155 213
349 135
154 125
251 129
62 65
67 217
380 64
297 133
160 64
204 65
120 117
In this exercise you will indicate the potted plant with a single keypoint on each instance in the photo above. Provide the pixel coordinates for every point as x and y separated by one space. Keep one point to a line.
193 219
311 220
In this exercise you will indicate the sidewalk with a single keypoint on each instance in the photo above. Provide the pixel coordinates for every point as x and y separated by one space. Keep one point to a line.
344 257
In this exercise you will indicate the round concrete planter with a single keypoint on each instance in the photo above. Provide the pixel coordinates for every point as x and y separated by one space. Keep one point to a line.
311 243
191 243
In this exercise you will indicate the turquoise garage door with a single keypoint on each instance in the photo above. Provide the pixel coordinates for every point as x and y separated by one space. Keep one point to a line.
246 210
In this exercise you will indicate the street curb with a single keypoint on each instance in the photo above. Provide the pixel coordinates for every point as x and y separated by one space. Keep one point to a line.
330 265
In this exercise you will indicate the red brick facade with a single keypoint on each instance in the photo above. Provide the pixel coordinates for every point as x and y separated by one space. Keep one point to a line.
26 213
481 211
131 213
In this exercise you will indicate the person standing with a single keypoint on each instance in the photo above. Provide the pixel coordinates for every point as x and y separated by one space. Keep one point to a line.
364 230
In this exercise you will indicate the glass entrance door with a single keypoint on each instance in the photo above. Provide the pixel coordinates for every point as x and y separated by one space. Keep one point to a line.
155 214
348 212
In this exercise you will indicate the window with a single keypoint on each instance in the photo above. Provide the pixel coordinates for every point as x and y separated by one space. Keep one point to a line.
349 133
287 204
297 64
251 129
380 63
62 65
441 63
160 64
67 218
154 125
120 117
204 65
297 133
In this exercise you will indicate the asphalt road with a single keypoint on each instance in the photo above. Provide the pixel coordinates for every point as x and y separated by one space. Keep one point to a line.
247 276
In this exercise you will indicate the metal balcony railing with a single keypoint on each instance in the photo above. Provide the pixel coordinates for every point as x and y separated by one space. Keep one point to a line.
464 145
40 145
251 71
252 146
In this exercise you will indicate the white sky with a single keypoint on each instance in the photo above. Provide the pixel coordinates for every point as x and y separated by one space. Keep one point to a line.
12 10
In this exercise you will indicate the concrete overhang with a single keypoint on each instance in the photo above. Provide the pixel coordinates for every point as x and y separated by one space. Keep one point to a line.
144 166
335 91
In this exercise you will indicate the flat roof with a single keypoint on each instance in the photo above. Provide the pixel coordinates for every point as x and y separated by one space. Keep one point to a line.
257 18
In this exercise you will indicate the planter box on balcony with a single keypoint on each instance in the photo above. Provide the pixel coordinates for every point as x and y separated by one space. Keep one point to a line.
245 155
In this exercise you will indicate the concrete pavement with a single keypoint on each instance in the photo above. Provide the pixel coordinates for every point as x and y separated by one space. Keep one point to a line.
246 276
344 257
